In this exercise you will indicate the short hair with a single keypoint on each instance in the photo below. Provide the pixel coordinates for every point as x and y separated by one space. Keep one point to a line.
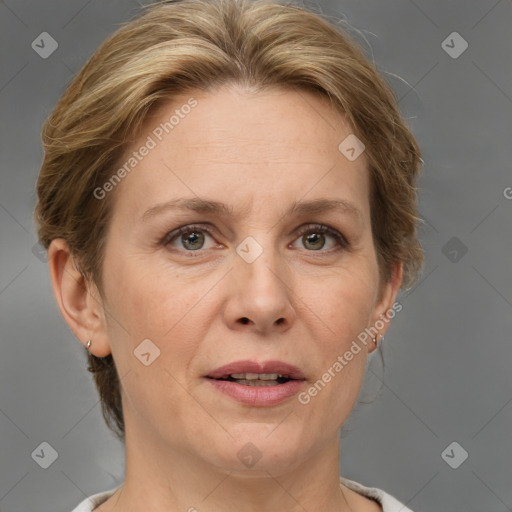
179 46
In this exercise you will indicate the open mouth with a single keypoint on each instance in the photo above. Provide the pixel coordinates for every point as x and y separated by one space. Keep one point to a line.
258 384
256 379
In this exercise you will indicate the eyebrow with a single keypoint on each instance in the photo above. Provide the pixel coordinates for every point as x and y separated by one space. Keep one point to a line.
205 206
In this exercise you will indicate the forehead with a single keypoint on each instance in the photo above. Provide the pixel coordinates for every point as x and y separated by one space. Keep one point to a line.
238 146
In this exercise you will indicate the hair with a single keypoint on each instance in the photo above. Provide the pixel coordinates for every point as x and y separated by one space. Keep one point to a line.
179 46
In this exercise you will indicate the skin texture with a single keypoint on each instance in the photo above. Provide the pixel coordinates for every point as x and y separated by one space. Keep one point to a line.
257 153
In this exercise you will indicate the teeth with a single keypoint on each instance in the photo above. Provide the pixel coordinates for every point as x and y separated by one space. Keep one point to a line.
255 376
257 382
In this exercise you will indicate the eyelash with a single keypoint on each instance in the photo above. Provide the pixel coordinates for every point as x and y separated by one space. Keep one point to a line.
342 242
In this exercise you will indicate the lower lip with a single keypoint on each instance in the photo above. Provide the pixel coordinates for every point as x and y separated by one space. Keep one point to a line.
258 396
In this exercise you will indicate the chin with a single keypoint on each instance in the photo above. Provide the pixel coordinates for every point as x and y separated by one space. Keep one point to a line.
260 451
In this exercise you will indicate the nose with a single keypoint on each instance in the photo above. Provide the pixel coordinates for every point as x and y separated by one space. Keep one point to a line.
261 295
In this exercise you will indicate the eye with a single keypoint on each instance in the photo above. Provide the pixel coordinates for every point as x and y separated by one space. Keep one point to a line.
189 238
315 237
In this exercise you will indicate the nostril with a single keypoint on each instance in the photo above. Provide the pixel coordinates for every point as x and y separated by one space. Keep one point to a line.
244 320
279 321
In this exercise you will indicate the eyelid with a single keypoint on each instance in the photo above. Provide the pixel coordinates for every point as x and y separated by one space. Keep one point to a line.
341 240
169 237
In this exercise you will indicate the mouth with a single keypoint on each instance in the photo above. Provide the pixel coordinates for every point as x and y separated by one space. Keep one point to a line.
256 379
258 384
253 373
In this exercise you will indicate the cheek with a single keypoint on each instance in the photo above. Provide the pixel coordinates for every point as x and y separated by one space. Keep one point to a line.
339 308
171 308
150 298
156 306
342 302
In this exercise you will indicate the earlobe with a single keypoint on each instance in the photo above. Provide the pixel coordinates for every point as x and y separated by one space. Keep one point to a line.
82 311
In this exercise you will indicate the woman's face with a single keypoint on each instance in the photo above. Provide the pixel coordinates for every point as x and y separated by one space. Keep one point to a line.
274 263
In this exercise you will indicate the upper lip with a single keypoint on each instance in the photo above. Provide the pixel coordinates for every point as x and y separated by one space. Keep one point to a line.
279 367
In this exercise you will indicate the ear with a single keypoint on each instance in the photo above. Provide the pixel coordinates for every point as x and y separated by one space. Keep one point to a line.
78 299
385 308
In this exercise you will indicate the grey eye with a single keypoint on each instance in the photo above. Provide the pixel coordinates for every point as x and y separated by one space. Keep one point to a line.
193 240
313 241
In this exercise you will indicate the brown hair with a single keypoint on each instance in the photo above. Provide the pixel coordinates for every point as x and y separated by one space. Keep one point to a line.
197 44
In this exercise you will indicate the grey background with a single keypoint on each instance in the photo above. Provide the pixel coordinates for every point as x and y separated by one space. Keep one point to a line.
448 353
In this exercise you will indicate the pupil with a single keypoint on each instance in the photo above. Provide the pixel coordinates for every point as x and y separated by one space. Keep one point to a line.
315 240
193 240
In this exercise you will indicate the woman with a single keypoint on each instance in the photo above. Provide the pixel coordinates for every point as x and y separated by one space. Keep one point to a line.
229 206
